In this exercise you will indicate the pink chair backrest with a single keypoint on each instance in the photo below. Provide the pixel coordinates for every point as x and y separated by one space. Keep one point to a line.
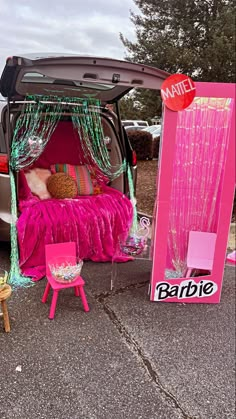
201 249
59 250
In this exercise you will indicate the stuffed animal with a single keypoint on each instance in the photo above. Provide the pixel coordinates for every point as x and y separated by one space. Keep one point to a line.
61 185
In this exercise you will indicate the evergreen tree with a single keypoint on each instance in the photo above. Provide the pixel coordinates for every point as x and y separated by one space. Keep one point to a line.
128 108
194 37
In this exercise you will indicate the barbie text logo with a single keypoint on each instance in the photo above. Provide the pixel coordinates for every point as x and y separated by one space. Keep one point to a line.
186 289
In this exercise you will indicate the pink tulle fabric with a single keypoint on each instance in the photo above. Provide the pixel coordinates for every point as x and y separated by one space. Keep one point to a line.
93 222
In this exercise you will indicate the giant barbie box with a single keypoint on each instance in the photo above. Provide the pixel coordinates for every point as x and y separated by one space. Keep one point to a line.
195 191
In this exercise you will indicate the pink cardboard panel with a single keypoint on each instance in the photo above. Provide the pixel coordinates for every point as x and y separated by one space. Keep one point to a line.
205 289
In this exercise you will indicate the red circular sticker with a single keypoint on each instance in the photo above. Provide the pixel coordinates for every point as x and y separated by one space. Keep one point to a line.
178 92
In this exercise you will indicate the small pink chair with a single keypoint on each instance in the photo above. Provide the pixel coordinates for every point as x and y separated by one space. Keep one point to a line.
65 250
201 249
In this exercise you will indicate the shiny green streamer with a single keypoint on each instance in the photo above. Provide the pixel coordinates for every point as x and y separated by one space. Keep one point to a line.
89 126
16 279
134 226
31 133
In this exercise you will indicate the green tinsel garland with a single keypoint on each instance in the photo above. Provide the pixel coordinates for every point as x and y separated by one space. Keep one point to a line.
16 279
89 127
30 126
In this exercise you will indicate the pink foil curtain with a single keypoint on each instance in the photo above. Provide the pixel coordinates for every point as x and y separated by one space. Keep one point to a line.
201 144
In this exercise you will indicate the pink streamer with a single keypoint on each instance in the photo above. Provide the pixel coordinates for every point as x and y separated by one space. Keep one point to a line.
201 146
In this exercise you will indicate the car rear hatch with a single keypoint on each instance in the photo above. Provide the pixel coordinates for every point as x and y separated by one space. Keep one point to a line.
75 76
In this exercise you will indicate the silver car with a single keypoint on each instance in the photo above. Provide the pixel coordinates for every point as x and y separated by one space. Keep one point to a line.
155 130
70 76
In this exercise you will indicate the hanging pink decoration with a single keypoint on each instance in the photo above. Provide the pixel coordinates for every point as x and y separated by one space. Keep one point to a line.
201 147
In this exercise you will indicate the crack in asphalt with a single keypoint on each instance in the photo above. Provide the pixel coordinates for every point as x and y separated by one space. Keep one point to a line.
121 290
133 345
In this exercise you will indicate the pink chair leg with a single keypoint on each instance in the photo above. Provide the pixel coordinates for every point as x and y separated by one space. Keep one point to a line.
188 274
53 305
46 292
83 298
76 291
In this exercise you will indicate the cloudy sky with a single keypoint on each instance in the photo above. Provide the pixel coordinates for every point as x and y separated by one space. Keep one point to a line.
76 26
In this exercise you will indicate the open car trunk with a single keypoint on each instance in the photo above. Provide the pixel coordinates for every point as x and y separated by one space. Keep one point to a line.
101 78
53 77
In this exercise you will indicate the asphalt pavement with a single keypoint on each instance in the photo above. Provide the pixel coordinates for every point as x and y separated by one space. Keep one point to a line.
128 358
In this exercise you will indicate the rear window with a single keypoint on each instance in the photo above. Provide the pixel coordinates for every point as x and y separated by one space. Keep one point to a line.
40 78
129 128
142 124
127 124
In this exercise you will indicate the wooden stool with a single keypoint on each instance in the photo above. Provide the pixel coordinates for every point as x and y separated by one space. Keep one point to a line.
4 295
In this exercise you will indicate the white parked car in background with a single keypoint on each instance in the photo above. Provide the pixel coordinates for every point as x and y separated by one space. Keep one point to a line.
134 123
133 128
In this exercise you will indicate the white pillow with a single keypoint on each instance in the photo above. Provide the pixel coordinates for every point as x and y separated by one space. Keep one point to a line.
36 179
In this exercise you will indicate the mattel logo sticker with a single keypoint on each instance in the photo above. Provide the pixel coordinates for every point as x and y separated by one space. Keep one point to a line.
178 92
186 289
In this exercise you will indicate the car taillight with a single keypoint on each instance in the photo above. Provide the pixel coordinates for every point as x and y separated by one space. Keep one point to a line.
134 158
4 163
